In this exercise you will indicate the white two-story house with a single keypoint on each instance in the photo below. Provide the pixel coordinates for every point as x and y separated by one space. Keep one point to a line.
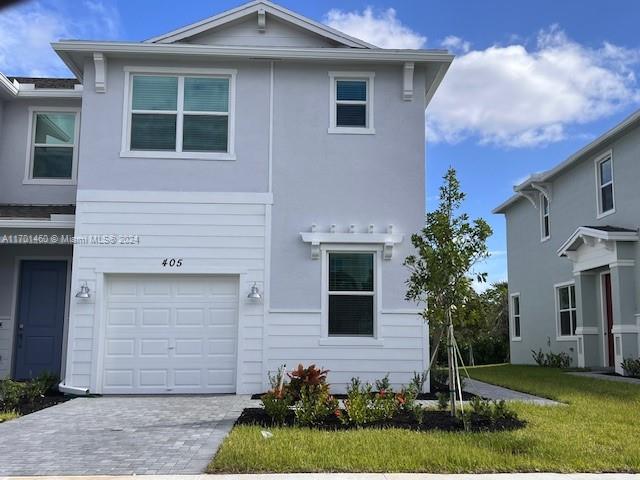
199 208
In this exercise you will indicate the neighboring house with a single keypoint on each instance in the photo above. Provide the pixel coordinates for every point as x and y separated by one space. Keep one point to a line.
240 194
572 243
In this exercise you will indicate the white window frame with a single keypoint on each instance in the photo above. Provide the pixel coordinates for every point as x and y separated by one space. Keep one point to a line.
543 200
333 102
512 316
599 186
31 133
181 73
355 341
556 293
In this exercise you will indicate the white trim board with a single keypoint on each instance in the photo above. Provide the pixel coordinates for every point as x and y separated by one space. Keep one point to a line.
140 196
256 7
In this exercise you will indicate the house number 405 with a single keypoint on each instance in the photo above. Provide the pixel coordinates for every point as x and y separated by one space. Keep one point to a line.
172 262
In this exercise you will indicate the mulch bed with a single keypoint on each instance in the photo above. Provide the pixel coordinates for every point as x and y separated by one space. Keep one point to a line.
433 420
41 403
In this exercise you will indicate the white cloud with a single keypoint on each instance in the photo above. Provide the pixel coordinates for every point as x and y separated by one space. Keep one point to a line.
27 30
380 28
513 97
456 44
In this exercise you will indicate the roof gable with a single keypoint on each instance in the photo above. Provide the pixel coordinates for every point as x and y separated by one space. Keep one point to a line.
262 14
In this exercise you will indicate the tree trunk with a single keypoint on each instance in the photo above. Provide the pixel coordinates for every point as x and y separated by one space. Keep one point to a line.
472 360
450 361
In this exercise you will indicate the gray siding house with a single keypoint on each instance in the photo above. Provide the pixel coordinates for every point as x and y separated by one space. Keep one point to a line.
194 210
572 242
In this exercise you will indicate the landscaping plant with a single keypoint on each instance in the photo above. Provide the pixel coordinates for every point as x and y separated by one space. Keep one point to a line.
551 360
443 400
418 381
441 275
631 367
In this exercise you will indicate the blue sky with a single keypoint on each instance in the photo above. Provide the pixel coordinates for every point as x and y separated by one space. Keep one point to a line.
532 82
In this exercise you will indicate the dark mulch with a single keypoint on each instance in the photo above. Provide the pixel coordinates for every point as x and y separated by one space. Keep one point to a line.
41 403
433 395
433 420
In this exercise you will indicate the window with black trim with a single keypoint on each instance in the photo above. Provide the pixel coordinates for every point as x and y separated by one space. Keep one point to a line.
351 292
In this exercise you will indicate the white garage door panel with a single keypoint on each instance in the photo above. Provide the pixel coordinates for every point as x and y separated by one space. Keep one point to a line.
170 334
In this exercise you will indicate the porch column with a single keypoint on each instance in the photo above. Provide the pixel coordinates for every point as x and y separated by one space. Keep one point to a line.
625 328
587 321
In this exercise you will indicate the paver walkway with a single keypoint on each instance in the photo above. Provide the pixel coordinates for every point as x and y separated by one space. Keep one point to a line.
119 435
604 376
494 392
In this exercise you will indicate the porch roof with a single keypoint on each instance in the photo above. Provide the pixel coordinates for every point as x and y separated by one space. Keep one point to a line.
606 233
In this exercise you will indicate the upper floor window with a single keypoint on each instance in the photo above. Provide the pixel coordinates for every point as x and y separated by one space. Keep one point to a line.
180 116
566 310
604 174
545 229
515 316
52 155
351 102
351 293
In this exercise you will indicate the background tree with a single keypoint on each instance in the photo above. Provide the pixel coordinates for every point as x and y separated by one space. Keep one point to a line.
447 248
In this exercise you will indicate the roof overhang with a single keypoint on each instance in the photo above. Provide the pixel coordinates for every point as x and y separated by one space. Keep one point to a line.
13 89
75 52
591 149
61 222
260 7
588 236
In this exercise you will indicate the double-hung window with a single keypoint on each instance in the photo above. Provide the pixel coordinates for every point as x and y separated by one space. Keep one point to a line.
180 115
545 227
566 304
52 155
515 316
604 176
351 102
351 291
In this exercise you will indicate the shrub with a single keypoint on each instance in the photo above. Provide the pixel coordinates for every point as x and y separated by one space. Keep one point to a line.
363 405
383 383
315 404
276 403
418 381
552 360
443 400
301 377
406 402
277 380
12 394
486 413
631 367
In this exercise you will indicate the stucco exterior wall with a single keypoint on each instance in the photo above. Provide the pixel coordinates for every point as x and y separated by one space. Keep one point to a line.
534 266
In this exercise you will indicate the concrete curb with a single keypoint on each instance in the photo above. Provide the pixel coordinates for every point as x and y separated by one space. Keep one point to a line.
353 476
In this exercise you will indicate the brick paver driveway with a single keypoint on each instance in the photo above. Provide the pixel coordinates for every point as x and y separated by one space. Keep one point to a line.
119 435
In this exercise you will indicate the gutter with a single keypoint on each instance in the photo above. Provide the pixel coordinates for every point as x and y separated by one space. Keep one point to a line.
82 392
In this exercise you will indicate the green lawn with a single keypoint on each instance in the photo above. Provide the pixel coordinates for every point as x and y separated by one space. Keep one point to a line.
598 431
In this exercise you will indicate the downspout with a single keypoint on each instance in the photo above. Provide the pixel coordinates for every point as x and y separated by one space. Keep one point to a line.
68 389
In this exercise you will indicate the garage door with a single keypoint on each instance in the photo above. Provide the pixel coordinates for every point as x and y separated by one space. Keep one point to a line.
170 334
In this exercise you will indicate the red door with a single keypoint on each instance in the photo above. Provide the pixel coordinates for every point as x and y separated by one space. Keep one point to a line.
608 311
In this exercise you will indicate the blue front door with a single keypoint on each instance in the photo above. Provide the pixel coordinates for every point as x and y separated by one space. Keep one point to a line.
40 317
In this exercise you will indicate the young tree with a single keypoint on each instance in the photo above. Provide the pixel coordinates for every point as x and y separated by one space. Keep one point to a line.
441 277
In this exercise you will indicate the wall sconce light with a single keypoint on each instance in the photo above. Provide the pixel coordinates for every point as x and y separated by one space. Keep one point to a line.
84 291
254 294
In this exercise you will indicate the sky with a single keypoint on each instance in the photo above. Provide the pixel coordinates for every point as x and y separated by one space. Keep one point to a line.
532 81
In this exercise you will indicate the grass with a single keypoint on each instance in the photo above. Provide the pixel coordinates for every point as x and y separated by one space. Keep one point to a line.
5 416
597 431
